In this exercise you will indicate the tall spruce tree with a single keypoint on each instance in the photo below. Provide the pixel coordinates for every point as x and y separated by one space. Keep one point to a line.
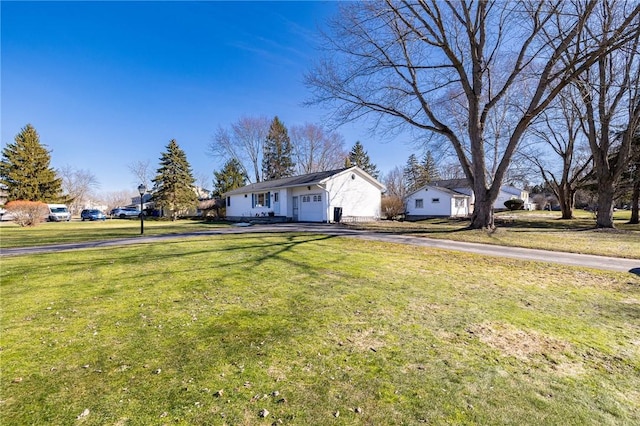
231 176
359 157
429 169
174 182
277 153
412 173
25 169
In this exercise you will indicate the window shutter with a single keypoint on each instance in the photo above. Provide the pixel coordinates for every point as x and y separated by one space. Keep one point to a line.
268 199
253 200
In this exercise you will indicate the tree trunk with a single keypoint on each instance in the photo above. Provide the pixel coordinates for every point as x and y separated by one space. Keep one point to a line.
635 200
605 204
566 198
482 217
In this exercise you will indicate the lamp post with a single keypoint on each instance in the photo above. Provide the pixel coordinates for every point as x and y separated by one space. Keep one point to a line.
142 189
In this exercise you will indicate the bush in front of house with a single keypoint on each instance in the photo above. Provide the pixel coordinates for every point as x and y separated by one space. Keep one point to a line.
27 213
514 204
392 207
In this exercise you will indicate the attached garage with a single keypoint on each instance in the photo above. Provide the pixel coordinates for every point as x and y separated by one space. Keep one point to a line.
311 208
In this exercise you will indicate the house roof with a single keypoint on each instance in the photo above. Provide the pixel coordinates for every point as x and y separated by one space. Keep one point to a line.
441 189
451 183
302 180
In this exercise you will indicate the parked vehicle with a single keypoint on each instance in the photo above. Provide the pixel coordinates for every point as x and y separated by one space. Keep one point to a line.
92 214
125 212
59 213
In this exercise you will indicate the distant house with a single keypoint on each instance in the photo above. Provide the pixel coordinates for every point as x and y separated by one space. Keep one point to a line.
448 199
433 201
348 194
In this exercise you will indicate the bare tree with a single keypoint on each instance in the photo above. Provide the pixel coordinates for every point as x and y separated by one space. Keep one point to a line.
317 149
142 172
396 183
558 128
243 142
77 184
610 90
436 64
117 199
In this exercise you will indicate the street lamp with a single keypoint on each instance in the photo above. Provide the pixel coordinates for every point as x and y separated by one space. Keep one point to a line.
142 189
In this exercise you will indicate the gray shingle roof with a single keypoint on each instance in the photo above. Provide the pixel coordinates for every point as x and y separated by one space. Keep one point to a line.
302 180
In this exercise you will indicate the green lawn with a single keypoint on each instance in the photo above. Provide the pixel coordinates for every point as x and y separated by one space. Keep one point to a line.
11 235
316 330
538 230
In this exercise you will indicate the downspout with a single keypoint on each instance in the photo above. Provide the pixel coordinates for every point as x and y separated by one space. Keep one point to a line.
326 203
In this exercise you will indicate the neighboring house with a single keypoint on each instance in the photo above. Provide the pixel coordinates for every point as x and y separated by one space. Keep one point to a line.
348 194
506 192
433 201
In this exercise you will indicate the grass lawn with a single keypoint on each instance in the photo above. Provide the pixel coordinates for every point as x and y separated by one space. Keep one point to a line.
315 330
537 229
11 235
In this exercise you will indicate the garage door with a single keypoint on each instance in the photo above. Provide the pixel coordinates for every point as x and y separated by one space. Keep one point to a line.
311 207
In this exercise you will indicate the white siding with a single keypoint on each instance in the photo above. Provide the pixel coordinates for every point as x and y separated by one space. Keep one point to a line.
356 195
443 207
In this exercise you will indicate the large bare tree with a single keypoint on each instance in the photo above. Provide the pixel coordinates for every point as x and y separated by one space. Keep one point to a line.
243 142
78 185
610 90
316 149
559 130
435 64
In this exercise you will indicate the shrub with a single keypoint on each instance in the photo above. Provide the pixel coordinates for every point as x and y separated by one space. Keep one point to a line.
392 207
27 213
514 204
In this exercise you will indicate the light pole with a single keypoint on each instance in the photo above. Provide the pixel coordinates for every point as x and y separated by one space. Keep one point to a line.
142 189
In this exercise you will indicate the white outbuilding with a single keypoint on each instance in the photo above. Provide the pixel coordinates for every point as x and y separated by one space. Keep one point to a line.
348 194
434 201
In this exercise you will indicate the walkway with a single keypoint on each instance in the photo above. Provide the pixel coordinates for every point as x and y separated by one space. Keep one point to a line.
582 260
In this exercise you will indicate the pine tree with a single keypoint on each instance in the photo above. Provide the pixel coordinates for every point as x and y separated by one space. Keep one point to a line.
359 157
230 177
25 169
174 182
412 173
277 153
429 169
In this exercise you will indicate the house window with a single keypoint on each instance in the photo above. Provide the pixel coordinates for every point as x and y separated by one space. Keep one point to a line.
306 198
435 200
459 203
261 200
276 197
419 203
228 201
317 198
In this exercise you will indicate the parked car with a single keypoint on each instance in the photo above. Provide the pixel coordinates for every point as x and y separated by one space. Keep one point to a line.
125 212
92 214
58 213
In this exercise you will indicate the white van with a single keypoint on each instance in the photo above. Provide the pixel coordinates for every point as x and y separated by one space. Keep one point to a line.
59 213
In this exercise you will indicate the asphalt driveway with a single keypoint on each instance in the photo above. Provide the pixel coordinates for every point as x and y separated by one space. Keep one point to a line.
582 260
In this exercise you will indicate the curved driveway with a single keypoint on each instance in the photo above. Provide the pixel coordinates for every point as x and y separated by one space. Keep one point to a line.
583 260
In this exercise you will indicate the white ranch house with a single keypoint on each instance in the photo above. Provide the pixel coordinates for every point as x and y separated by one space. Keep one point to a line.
432 201
348 194
454 198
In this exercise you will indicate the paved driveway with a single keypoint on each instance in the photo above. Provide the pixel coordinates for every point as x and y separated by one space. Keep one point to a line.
582 260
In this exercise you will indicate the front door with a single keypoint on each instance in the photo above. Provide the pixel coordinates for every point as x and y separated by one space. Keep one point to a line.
295 209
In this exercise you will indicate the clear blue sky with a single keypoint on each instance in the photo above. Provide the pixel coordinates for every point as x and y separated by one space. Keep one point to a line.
106 84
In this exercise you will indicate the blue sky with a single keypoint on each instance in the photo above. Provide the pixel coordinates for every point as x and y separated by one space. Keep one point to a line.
106 84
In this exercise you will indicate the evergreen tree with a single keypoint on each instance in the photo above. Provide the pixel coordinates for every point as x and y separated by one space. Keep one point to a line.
412 173
230 177
25 169
174 182
359 157
430 171
277 153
